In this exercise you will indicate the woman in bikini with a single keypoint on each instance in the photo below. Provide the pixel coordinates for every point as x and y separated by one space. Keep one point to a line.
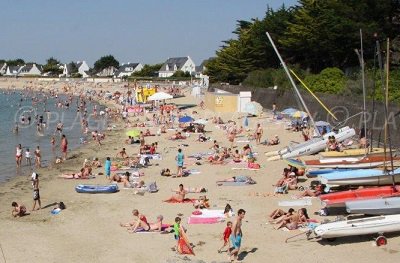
38 157
259 132
180 195
73 175
18 155
138 221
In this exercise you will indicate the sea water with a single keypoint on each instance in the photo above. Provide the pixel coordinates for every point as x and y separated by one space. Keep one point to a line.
15 104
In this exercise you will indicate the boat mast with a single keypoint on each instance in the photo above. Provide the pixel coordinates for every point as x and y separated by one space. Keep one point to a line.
361 58
292 82
385 91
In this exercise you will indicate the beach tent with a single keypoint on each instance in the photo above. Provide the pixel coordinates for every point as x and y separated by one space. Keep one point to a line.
289 111
186 119
253 108
160 96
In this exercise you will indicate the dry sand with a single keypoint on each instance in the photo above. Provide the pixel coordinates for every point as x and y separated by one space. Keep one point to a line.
88 230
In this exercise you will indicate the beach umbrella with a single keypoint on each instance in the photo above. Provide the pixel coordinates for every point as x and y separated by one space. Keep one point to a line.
299 114
133 133
160 96
186 119
289 111
253 108
200 121
295 163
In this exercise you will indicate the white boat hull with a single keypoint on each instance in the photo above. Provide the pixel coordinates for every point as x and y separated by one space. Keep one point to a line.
363 226
312 146
375 206
367 180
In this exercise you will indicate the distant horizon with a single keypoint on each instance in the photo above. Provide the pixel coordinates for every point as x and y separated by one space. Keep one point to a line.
146 32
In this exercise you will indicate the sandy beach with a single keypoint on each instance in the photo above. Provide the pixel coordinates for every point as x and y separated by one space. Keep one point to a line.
89 229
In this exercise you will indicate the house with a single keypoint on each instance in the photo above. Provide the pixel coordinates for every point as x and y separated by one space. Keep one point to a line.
81 66
200 70
172 65
107 72
12 70
3 68
30 69
126 70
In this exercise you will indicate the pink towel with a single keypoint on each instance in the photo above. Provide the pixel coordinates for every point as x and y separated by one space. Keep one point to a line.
203 220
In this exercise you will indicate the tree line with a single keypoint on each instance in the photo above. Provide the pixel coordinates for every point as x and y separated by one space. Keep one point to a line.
317 38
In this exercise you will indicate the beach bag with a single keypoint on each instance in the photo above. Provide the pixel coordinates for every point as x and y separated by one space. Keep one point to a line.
152 188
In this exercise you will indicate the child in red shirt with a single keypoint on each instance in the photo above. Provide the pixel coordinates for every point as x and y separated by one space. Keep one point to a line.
226 235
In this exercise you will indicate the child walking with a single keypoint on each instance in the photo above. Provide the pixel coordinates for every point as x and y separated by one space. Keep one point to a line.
107 167
226 235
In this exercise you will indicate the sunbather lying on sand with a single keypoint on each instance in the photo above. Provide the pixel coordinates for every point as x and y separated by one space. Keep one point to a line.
193 190
239 178
141 221
278 213
201 203
121 179
274 141
319 190
148 133
177 136
72 175
181 193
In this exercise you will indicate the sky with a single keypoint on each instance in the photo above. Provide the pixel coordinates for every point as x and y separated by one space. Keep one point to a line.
144 31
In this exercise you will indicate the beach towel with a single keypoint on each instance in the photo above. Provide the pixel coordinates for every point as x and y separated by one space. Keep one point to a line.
163 228
232 183
245 168
192 220
86 178
184 247
155 156
299 202
186 200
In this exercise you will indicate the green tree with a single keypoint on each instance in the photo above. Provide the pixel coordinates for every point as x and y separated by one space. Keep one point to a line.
73 68
53 66
329 80
181 74
105 62
16 62
148 70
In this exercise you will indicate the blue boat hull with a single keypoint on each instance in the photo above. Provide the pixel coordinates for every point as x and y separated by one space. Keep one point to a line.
96 189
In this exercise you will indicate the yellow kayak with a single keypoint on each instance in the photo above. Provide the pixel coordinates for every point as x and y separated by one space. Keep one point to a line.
353 153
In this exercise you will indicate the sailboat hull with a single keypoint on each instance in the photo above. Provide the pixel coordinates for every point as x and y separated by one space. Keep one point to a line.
377 206
339 199
312 146
362 226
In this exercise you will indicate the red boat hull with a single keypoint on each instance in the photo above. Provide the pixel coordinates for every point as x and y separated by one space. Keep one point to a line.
338 199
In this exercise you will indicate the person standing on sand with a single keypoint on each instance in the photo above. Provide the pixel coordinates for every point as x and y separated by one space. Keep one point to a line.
36 195
236 236
259 133
179 161
64 146
107 167
274 108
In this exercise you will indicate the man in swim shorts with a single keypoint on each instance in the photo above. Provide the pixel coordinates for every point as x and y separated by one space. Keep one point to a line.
236 236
